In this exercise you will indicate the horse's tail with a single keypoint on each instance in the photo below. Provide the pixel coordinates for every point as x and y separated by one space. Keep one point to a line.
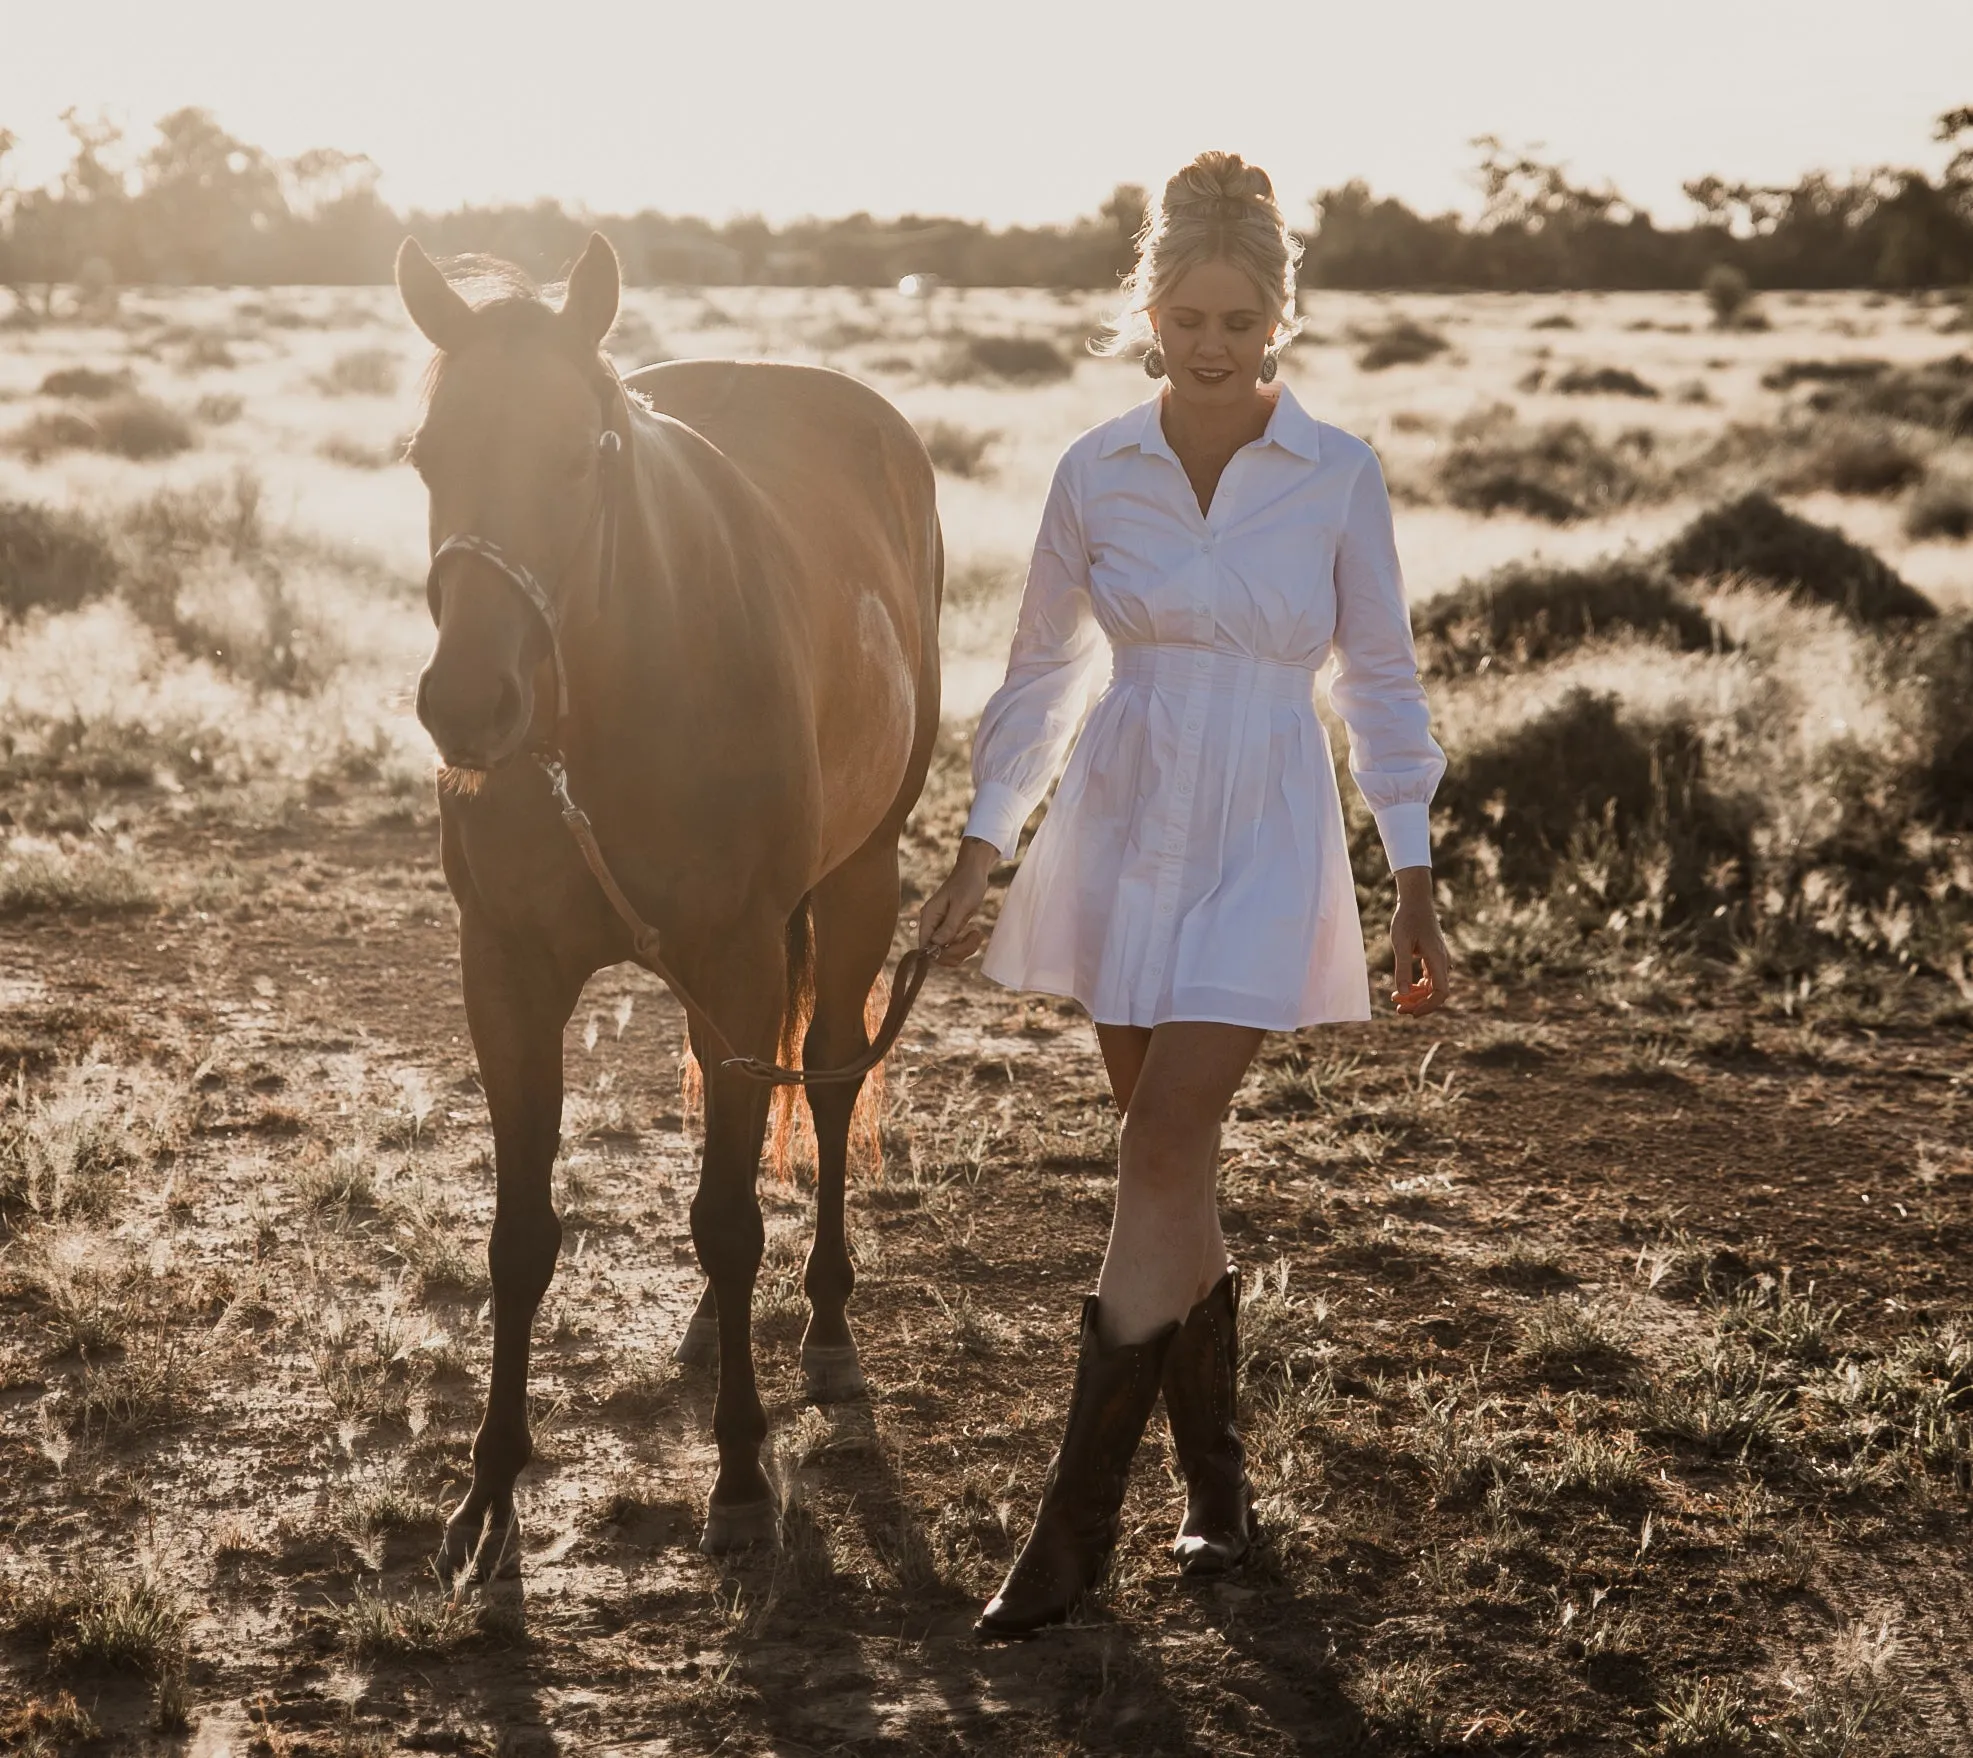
790 1134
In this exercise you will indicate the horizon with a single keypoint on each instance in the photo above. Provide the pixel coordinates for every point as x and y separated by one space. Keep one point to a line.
1025 140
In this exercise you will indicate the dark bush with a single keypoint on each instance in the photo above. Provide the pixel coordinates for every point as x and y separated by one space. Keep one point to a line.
1401 342
1555 320
1861 463
362 372
1603 381
85 382
959 450
1588 764
1940 509
1938 394
1730 295
1558 472
1525 614
1033 359
1937 665
130 425
1755 537
1791 373
50 560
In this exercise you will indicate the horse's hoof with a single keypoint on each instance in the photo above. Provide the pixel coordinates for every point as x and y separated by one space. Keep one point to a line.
473 1553
833 1372
739 1526
699 1347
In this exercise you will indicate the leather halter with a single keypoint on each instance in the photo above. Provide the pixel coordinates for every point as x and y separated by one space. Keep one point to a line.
912 968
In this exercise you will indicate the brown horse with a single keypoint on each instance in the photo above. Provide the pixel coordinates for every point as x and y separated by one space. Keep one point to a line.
716 587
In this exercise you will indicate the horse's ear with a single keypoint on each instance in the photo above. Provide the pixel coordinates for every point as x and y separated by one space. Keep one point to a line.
595 285
430 298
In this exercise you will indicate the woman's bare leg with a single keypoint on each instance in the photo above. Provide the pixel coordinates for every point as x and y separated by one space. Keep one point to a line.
1124 1049
1173 1084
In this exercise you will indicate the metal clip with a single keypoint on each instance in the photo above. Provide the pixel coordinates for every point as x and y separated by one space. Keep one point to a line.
558 780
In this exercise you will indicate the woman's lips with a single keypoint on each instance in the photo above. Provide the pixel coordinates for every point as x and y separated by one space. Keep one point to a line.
1211 375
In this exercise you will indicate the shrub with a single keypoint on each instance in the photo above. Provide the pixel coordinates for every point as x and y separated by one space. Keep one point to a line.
1528 613
1401 342
219 409
1755 537
1858 463
1940 509
1555 320
85 382
1033 359
1932 673
51 560
1558 472
958 450
362 372
130 425
1603 381
355 454
206 352
1730 295
1938 394
1791 373
1583 766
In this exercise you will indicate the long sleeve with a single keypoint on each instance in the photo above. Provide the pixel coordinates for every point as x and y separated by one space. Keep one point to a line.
1394 759
1027 725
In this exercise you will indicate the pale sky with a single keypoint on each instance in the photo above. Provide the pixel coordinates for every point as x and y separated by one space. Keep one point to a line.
1003 110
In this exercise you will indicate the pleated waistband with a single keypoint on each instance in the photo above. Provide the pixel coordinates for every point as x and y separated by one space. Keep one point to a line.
1173 666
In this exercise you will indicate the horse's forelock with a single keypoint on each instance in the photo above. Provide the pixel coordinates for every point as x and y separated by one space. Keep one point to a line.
517 313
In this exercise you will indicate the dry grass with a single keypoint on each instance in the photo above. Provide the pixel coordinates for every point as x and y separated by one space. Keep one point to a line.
1535 1447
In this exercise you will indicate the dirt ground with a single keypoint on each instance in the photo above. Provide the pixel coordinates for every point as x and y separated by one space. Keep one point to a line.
1609 1381
1407 1198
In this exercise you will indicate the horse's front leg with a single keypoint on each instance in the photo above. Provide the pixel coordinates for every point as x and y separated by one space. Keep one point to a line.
747 998
517 1002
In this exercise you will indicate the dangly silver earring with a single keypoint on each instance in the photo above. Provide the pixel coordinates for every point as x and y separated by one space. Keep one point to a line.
1154 361
1269 366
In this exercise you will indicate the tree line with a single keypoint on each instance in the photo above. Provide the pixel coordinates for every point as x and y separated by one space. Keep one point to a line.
201 207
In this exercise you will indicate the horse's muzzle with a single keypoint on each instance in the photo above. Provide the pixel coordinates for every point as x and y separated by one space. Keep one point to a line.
478 718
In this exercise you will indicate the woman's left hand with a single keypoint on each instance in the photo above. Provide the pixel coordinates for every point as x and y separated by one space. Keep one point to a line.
1415 936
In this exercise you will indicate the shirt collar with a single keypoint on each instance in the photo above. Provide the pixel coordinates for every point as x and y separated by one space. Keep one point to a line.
1290 427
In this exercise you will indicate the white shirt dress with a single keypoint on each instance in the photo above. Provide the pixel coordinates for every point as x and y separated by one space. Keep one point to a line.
1192 864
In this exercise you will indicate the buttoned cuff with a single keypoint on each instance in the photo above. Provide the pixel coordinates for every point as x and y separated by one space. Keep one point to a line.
1407 834
997 816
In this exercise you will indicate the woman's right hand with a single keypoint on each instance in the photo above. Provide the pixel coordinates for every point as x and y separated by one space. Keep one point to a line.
942 923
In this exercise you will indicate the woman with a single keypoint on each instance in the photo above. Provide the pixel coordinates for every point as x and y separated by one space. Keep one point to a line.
1191 884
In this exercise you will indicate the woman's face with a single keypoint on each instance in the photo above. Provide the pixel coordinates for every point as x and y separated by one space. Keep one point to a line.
1213 328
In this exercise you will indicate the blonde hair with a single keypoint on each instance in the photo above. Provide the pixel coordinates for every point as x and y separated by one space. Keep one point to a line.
1219 208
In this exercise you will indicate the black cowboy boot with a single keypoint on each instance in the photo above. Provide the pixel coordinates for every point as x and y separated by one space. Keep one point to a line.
1076 1527
1202 1373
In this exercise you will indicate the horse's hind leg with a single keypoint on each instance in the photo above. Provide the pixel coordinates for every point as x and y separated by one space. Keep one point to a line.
855 916
516 1007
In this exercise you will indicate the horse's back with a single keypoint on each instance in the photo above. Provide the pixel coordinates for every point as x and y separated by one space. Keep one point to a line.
818 443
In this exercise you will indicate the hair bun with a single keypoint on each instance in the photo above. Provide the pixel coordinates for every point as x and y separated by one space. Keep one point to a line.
1220 186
